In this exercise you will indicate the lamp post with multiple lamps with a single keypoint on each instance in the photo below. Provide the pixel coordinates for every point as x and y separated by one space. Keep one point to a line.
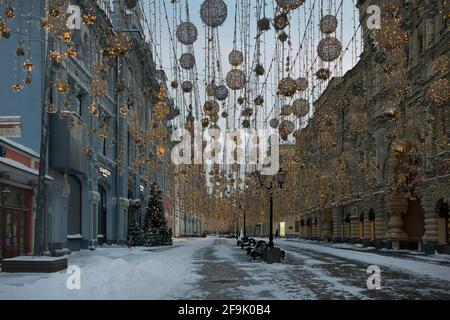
280 179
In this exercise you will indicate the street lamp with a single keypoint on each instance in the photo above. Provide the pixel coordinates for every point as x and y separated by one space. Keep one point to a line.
281 177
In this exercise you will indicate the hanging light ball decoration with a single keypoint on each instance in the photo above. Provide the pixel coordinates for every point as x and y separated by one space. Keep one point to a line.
221 93
61 86
5 32
259 70
289 5
211 107
286 110
186 86
328 24
281 21
187 61
213 13
16 87
301 107
224 114
187 33
286 128
329 49
287 87
391 35
439 91
20 52
274 123
236 79
236 58
248 112
28 66
259 100
263 24
302 84
161 110
99 88
246 124
211 89
10 13
323 74
282 36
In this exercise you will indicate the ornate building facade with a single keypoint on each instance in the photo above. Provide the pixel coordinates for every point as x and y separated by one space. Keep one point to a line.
101 158
385 133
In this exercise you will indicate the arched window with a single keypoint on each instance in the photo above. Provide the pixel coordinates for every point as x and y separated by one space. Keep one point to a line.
74 207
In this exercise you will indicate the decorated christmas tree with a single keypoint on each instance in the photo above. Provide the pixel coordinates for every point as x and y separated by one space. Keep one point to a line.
155 218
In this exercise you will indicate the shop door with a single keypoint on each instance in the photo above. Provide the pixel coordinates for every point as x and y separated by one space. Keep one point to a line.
13 235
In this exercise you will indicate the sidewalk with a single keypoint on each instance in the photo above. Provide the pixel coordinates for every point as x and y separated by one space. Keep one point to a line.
439 259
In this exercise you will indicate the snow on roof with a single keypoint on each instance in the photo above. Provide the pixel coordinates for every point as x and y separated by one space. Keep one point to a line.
20 147
22 167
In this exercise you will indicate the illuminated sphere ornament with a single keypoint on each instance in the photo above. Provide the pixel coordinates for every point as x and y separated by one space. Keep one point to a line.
391 35
187 86
211 89
287 87
281 21
161 110
274 123
236 58
302 84
221 93
439 91
264 24
246 124
323 74
289 4
328 24
329 49
211 107
286 128
301 107
187 33
131 4
187 61
236 79
213 13
248 112
286 110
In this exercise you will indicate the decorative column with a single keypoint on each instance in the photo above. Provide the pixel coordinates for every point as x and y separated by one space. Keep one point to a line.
431 218
337 224
381 218
396 233
326 225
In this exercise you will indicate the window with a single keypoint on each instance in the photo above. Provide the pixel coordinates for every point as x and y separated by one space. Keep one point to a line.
77 106
13 197
297 226
103 145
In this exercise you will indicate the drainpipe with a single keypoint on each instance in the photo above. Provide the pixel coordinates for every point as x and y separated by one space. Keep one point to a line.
117 152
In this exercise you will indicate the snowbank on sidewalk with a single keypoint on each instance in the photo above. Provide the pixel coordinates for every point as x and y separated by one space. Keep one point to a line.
423 268
113 273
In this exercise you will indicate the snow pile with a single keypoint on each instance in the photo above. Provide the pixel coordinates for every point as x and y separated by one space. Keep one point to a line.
417 267
112 274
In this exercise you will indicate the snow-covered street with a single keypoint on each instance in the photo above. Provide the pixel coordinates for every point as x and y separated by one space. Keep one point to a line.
215 268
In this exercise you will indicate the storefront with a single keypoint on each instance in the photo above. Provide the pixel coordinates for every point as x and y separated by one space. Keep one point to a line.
18 184
15 221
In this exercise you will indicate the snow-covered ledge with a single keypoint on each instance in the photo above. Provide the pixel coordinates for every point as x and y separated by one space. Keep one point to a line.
32 264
